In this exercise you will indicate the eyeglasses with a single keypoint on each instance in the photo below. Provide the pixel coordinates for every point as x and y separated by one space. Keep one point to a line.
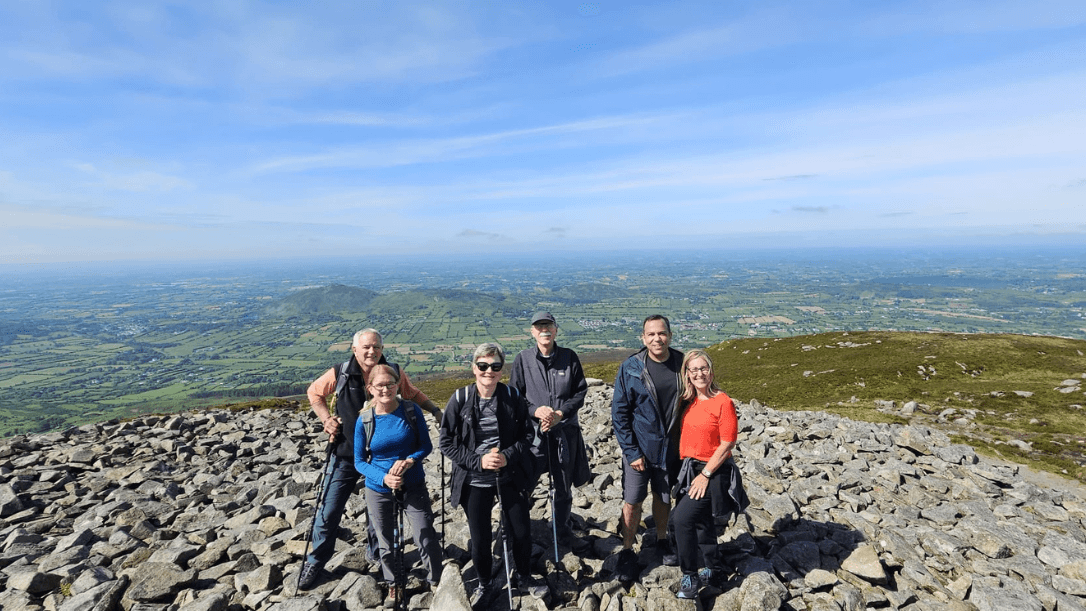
388 386
697 370
483 366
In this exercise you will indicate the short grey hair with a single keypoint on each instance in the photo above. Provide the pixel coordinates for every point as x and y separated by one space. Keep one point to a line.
489 349
368 331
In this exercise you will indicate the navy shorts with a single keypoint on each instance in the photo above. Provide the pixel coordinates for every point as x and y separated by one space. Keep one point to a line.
635 484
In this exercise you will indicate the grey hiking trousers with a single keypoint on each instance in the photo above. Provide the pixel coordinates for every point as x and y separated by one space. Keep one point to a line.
417 512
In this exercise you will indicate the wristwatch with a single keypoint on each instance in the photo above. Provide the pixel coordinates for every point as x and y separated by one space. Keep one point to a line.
707 473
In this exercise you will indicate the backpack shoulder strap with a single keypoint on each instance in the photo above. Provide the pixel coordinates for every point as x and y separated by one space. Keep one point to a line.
341 375
413 422
368 426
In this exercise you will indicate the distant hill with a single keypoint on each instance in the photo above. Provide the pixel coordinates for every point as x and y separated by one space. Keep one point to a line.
444 300
327 300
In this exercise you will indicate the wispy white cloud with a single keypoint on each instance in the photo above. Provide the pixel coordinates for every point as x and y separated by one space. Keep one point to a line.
406 152
141 181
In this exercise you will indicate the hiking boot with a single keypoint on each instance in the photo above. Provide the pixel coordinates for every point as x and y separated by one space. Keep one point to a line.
309 576
626 569
668 557
688 586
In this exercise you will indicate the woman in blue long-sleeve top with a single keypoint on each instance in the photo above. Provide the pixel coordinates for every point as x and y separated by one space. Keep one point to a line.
391 462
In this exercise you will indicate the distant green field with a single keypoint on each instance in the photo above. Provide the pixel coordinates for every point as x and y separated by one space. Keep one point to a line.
136 345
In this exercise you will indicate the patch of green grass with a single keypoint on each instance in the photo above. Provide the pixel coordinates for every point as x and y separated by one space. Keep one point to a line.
261 404
439 389
603 371
864 414
1005 383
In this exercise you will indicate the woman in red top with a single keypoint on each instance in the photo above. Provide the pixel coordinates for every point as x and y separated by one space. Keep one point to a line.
709 430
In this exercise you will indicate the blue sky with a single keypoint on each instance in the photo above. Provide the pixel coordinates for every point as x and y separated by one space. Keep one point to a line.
233 129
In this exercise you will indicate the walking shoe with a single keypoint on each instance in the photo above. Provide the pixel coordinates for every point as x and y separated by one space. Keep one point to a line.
626 568
309 575
688 586
668 557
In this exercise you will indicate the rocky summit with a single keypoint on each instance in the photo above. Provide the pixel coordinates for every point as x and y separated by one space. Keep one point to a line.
208 511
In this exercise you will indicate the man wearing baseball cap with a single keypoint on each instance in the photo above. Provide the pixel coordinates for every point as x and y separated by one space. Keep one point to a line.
552 381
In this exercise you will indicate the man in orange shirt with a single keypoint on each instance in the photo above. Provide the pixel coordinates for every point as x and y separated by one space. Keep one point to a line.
348 382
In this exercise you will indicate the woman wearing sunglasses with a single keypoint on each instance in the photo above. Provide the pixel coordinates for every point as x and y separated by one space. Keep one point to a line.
486 434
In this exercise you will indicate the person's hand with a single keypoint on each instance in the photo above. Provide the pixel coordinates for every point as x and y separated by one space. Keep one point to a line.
431 408
698 486
493 460
638 465
393 481
401 466
547 416
332 426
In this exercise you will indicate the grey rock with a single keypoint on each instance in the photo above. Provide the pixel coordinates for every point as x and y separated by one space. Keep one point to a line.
451 593
762 592
33 581
102 597
864 562
157 581
10 503
987 598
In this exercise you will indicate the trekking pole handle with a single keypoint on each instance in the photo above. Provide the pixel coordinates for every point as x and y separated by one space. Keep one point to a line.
500 457
333 425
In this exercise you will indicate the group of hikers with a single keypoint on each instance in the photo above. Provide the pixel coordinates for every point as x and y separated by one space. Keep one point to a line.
675 427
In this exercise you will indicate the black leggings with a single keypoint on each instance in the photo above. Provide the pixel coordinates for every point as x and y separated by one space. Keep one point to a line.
695 533
478 503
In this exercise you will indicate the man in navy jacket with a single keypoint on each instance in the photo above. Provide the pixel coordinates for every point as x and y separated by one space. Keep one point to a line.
644 414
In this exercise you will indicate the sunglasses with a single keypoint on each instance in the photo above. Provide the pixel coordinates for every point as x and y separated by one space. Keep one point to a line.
483 366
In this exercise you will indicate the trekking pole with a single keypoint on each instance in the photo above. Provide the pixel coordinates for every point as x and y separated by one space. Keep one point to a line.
505 540
443 503
322 492
400 578
554 507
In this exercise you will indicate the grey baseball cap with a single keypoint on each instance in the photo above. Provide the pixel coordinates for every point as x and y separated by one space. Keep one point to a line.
539 317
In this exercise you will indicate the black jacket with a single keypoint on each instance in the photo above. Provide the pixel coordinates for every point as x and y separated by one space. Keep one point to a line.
457 440
559 383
